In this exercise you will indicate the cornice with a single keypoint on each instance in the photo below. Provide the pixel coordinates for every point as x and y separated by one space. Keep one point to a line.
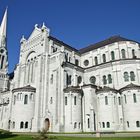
26 88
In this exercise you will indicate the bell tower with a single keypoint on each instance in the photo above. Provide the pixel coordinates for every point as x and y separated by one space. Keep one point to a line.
3 54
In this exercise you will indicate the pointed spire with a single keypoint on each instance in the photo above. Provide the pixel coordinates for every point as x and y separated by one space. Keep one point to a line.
3 24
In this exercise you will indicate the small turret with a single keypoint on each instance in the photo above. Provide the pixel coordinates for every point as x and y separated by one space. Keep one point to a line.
22 40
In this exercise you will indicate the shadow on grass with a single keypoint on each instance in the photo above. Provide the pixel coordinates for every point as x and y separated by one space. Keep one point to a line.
6 134
3 136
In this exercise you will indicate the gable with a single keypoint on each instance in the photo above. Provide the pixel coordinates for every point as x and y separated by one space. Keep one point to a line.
35 33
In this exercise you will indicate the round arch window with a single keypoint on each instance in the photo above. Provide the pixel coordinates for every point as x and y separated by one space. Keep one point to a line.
2 51
92 79
86 62
79 79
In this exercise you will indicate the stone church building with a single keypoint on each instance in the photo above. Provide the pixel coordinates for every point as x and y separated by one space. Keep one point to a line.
62 89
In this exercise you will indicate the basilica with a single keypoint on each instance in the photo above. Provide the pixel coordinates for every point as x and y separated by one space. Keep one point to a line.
63 89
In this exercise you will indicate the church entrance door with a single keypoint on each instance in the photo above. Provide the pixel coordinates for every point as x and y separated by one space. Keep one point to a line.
47 124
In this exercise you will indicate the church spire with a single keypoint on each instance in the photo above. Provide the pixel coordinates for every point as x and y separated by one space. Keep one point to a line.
3 25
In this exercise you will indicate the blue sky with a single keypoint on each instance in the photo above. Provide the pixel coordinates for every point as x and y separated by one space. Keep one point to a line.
78 23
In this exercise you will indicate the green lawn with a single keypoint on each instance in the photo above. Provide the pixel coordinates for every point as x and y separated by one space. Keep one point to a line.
24 137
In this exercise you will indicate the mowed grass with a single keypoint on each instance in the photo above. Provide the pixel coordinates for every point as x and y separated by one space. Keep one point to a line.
28 137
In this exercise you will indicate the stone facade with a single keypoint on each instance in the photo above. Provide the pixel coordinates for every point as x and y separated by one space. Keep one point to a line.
62 89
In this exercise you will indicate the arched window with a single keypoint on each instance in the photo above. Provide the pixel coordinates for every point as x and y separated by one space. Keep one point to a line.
79 125
68 79
112 55
79 79
66 100
123 53
51 100
127 123
2 60
119 100
114 100
126 76
134 98
106 100
104 58
88 123
132 76
125 98
137 123
31 97
76 62
92 80
96 60
104 80
109 79
75 125
26 99
74 100
133 54
108 124
21 125
103 124
14 99
13 125
66 57
51 80
69 59
26 125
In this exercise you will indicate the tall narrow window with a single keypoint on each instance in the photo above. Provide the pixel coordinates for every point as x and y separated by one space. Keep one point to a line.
96 60
31 97
108 124
106 100
127 123
134 98
126 76
21 125
2 60
119 100
74 100
66 57
13 125
137 123
75 125
26 125
114 100
112 55
66 100
125 98
68 79
104 58
109 79
88 123
79 125
133 54
26 99
51 79
14 99
103 124
76 62
104 80
123 53
132 76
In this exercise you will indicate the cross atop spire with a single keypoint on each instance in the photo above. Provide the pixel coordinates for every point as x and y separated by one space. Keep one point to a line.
3 25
